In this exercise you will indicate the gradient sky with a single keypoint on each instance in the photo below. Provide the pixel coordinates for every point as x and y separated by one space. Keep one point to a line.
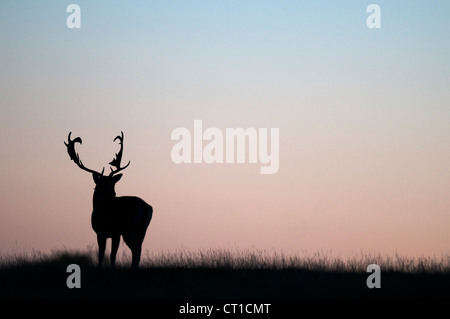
364 119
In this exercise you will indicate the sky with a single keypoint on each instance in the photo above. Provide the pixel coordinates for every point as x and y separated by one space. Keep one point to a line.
363 117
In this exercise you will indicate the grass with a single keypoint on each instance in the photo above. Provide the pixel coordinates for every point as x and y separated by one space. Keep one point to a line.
318 261
222 273
322 261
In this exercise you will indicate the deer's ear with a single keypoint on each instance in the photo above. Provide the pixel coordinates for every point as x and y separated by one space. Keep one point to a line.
117 178
96 177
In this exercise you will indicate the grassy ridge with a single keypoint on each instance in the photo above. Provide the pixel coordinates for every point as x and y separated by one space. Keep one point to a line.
219 273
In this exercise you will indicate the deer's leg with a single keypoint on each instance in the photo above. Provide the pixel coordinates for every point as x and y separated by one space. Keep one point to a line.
135 247
136 256
101 249
114 246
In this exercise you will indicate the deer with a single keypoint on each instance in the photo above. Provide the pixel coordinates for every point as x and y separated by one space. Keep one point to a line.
112 216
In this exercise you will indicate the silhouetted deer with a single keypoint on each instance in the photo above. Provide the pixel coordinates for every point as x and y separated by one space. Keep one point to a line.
113 216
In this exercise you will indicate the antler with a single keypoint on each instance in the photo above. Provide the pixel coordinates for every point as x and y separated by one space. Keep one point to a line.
74 155
116 161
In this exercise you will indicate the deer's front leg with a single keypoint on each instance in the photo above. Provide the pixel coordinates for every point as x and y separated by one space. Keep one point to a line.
101 249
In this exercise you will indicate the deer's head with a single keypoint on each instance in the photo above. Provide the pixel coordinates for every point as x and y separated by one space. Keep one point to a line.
104 183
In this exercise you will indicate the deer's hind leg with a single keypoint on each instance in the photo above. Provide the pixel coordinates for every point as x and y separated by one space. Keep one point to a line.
135 246
115 240
101 241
